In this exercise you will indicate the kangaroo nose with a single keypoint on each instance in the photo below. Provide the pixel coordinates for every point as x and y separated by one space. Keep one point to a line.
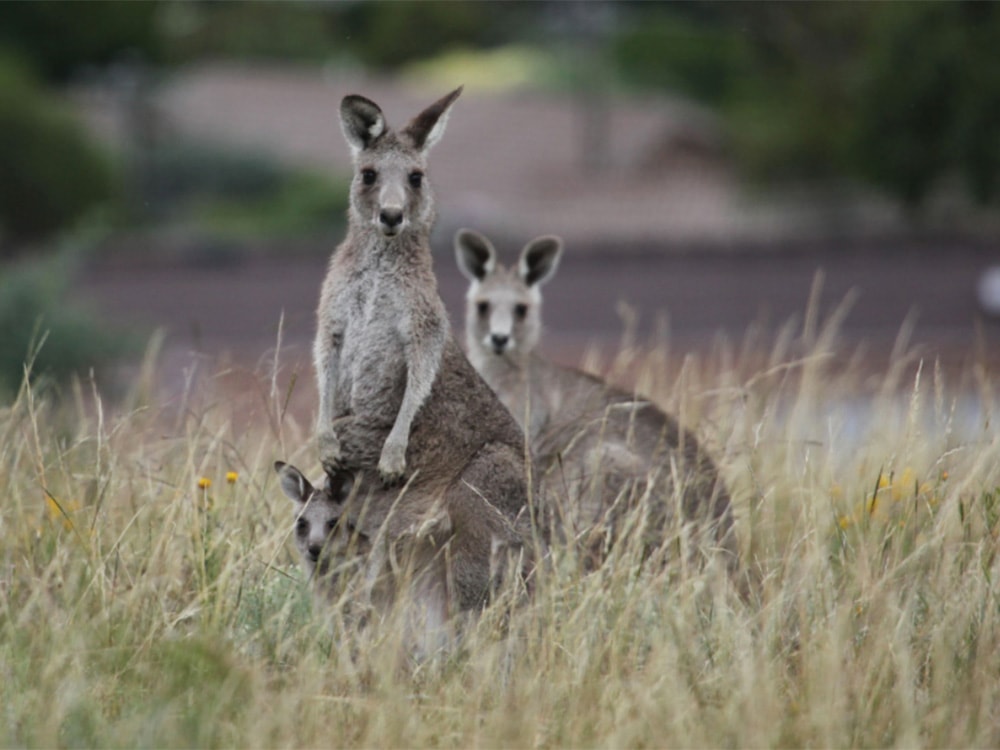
391 217
499 341
314 551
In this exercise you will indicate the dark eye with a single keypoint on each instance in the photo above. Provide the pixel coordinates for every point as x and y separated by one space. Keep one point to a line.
483 308
331 525
302 527
368 176
521 311
416 180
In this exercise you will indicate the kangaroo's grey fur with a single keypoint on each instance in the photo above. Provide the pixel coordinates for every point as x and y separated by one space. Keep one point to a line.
602 448
398 400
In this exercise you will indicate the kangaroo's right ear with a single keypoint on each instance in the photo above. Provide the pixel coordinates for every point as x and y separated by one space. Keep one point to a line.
362 121
540 259
475 255
293 482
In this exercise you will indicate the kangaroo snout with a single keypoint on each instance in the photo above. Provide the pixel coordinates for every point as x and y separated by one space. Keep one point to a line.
315 550
499 342
391 220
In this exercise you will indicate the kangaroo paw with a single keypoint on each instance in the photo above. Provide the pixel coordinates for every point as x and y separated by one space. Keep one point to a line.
330 454
392 464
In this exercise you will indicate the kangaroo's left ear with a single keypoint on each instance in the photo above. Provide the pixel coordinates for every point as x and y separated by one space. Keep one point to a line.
427 128
540 259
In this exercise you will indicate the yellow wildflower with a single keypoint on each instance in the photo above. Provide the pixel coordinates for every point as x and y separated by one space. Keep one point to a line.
231 477
204 483
906 481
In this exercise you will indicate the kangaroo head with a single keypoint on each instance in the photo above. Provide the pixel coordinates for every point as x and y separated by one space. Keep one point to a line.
503 315
389 192
322 529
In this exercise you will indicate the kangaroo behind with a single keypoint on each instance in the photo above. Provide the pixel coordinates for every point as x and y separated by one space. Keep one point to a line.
603 451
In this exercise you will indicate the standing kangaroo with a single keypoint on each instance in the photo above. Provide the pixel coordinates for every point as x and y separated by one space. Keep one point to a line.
599 448
398 400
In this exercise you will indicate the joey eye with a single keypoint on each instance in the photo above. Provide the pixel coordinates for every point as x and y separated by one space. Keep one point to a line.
302 527
483 308
521 311
368 176
416 180
331 525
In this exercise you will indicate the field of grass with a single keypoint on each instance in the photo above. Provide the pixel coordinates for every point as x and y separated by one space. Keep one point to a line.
149 595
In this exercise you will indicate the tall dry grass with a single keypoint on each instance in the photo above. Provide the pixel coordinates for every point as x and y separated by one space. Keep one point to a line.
141 605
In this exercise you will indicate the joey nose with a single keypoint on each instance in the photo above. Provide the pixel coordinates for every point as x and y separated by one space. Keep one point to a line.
391 217
499 341
314 551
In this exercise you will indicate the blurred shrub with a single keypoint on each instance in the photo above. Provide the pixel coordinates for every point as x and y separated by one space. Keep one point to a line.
389 34
929 98
56 37
673 52
50 173
286 31
189 170
903 95
239 194
302 204
376 33
34 310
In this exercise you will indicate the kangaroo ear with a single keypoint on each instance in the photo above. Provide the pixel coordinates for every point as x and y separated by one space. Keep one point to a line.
475 255
362 122
293 482
540 259
427 128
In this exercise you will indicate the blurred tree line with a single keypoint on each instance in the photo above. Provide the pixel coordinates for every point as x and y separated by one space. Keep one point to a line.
904 96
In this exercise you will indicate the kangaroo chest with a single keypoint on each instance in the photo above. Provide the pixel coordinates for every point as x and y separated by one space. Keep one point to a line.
371 362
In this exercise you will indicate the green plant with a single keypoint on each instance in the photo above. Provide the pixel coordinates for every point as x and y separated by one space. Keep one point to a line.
51 173
41 329
303 203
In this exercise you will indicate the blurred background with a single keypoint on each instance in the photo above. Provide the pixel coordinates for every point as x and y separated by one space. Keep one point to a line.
178 167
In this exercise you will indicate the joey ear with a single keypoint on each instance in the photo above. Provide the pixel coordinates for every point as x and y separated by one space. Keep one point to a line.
293 482
362 121
540 259
426 129
475 254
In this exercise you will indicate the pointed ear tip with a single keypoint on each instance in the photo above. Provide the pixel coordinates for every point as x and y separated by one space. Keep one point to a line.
279 465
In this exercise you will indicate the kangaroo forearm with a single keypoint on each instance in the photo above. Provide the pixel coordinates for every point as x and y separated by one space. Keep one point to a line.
421 374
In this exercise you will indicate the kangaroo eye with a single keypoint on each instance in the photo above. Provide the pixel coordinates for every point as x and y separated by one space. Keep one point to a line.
416 180
483 308
302 527
331 525
521 311
368 176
